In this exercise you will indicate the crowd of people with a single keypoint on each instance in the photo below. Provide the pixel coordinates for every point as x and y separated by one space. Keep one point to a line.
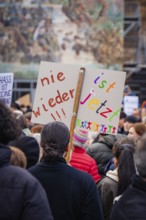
104 178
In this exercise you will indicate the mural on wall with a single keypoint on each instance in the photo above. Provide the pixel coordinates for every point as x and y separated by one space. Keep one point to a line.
67 31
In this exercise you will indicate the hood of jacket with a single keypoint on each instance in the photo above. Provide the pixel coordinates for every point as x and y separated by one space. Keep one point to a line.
110 139
5 154
113 174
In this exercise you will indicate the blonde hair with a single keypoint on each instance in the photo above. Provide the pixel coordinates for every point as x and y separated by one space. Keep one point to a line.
18 158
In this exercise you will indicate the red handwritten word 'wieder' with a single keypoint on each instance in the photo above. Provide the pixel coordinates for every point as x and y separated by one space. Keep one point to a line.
57 99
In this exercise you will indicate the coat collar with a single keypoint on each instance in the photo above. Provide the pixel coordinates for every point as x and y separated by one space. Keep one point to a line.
113 174
59 160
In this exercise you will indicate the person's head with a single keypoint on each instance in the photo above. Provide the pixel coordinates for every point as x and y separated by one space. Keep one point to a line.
18 158
122 119
129 121
21 120
55 138
80 137
9 128
140 157
119 146
15 106
137 114
123 151
30 148
136 131
127 90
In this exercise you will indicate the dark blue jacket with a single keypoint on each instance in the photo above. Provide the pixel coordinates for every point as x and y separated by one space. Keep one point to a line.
21 195
72 193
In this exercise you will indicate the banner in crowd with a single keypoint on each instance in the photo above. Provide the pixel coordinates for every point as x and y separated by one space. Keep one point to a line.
6 85
100 101
130 103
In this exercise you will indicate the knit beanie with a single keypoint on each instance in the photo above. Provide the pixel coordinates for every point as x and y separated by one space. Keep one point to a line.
80 137
30 148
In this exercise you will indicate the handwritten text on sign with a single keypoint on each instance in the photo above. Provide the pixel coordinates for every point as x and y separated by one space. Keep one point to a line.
55 93
100 101
6 84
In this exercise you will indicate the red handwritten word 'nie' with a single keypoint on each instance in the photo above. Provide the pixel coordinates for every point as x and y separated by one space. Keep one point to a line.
60 77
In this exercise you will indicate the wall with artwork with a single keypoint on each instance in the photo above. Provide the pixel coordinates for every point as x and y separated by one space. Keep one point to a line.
87 32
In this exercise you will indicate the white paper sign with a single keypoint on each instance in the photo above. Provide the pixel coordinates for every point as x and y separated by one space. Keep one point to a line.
130 103
6 85
100 101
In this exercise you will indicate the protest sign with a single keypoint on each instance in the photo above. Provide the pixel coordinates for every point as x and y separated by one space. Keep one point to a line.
100 102
6 85
130 103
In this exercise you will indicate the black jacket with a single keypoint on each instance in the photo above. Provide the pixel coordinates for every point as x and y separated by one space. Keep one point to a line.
72 193
101 151
21 195
132 204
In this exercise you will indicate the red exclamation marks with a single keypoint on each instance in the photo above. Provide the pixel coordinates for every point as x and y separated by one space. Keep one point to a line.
63 112
58 115
53 117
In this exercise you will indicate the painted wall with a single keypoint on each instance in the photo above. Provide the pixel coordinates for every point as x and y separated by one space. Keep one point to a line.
71 32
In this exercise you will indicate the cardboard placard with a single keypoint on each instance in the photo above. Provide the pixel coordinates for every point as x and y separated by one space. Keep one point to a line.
100 101
130 103
6 85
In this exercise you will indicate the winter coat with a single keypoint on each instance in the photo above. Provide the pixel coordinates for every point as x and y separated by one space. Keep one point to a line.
82 161
110 165
132 204
107 187
72 194
21 195
102 150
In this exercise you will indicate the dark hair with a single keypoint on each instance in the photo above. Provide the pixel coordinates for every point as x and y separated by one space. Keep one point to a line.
140 156
15 105
9 129
123 151
54 140
131 119
123 115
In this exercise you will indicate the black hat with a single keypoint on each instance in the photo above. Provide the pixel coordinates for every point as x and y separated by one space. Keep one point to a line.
30 148
131 119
